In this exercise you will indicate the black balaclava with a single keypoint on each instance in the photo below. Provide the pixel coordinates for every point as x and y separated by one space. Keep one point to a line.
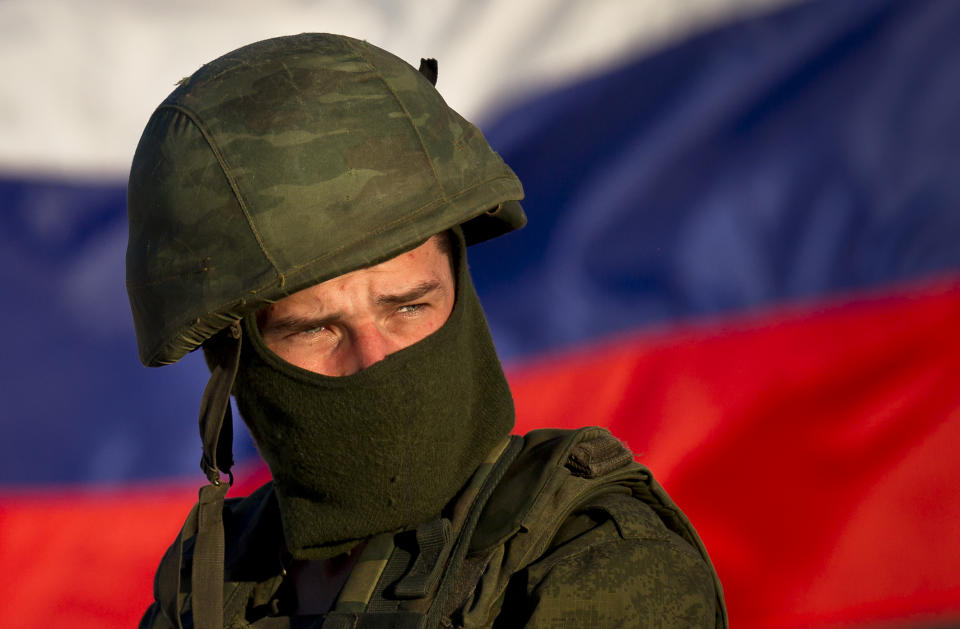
382 449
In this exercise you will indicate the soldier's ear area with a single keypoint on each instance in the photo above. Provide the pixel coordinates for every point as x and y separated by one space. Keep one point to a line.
428 68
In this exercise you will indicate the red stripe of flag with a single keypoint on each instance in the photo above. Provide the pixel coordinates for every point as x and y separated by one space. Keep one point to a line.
813 447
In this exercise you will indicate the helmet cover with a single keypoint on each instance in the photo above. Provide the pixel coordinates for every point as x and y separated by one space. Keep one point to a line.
289 162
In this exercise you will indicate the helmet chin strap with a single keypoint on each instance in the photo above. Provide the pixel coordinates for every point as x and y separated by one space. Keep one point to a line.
205 522
216 420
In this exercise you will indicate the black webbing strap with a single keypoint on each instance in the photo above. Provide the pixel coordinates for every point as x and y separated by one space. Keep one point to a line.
442 606
205 522
434 543
206 578
167 582
216 420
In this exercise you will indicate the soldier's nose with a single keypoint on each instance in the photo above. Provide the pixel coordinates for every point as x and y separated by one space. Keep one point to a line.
369 347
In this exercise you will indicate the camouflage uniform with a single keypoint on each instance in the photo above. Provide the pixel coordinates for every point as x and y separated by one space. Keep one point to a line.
296 160
625 557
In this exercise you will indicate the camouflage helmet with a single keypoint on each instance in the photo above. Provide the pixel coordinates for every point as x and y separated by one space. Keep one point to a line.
286 163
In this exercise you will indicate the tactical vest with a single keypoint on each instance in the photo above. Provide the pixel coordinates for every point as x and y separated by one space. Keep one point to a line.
449 572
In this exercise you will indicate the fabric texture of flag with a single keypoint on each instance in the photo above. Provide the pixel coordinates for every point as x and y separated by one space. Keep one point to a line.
742 258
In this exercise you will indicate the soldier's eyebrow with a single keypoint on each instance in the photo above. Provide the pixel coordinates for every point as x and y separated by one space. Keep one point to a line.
294 323
298 323
417 292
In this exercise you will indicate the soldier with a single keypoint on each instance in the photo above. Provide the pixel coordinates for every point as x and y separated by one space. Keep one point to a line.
300 208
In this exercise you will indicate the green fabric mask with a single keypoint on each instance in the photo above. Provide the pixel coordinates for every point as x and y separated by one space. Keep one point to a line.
382 449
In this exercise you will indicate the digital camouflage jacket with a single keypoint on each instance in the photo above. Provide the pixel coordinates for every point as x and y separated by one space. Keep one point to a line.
556 529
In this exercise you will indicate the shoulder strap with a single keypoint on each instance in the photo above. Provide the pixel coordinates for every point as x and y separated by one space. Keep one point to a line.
556 472
201 536
175 587
405 579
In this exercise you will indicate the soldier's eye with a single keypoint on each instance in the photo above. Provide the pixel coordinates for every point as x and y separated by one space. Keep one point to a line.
411 308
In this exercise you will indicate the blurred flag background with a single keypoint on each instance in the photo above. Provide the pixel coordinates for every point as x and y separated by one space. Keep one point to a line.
743 257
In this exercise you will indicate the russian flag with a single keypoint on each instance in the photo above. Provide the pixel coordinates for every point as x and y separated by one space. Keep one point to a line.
743 257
